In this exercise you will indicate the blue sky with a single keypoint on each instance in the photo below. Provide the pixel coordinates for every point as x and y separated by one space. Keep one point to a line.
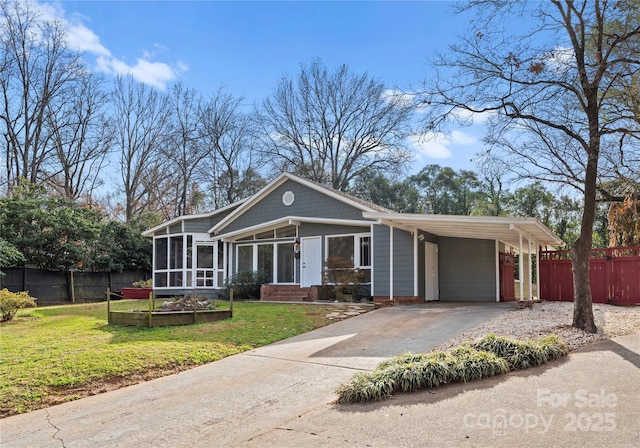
247 46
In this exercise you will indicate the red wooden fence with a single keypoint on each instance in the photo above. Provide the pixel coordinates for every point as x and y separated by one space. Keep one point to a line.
614 274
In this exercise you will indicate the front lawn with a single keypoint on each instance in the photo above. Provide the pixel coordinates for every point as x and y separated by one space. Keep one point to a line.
60 353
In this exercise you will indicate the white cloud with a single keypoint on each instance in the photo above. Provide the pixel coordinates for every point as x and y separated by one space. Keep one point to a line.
398 97
80 37
560 60
465 115
437 145
434 145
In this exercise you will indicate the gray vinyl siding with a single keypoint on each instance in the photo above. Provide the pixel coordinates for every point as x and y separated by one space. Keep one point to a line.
313 229
467 269
202 225
308 203
176 228
380 257
403 266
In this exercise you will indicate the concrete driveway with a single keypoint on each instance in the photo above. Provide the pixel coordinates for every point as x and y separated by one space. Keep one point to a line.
238 400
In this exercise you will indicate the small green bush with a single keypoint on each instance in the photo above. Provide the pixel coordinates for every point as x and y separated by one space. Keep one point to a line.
245 284
11 302
490 356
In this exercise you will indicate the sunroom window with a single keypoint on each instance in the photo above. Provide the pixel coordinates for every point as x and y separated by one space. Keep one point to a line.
179 260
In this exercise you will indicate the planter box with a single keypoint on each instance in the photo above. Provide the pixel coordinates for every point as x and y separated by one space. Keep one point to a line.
136 293
165 318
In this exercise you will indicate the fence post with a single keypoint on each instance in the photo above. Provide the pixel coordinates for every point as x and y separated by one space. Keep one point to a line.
150 309
608 269
108 305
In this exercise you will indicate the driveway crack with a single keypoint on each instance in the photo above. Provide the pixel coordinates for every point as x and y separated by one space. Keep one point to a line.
55 435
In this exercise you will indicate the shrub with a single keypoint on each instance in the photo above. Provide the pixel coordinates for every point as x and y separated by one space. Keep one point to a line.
245 284
143 284
11 302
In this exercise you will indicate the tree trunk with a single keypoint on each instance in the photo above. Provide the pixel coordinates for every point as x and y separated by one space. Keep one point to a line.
582 302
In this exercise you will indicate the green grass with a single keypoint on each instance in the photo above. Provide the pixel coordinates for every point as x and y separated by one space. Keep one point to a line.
60 353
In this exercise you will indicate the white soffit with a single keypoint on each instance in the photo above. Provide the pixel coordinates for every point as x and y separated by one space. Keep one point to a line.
500 228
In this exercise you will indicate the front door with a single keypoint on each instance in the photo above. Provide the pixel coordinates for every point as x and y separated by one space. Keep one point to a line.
311 255
431 272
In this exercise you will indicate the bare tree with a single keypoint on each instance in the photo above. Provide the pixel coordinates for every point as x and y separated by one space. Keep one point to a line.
329 127
80 138
184 150
37 69
493 173
552 96
140 116
230 135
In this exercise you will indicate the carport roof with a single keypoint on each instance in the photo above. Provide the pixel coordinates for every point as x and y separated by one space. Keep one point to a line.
500 228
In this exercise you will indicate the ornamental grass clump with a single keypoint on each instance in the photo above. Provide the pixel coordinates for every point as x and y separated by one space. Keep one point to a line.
489 356
523 354
365 387
472 364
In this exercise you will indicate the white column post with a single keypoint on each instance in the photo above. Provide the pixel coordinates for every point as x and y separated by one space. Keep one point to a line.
391 263
497 271
537 271
415 263
521 268
530 271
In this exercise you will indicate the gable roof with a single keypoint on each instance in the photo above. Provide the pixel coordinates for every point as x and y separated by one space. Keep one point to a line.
171 222
345 198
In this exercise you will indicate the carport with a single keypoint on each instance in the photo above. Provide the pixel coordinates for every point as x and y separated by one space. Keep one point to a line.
493 241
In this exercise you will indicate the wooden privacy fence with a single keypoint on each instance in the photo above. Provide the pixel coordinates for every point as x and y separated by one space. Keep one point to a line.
614 274
51 287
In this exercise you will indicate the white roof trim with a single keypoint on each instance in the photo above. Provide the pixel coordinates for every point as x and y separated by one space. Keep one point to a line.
505 229
167 224
286 221
281 179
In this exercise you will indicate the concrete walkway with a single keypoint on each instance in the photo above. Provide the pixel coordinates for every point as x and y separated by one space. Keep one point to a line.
238 399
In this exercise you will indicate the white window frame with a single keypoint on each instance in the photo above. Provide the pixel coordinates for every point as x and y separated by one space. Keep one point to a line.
188 274
254 261
357 237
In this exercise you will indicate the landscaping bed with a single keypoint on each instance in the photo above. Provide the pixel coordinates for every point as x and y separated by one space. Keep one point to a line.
164 318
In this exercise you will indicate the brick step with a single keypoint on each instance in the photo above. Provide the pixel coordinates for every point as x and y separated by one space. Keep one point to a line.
289 293
288 298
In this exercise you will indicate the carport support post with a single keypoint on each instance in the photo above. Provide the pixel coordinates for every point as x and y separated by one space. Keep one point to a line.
391 263
498 285
538 253
521 269
530 271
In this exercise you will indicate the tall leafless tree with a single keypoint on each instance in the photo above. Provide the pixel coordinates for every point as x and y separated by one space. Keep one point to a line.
184 150
37 69
330 126
139 124
551 89
230 135
80 138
